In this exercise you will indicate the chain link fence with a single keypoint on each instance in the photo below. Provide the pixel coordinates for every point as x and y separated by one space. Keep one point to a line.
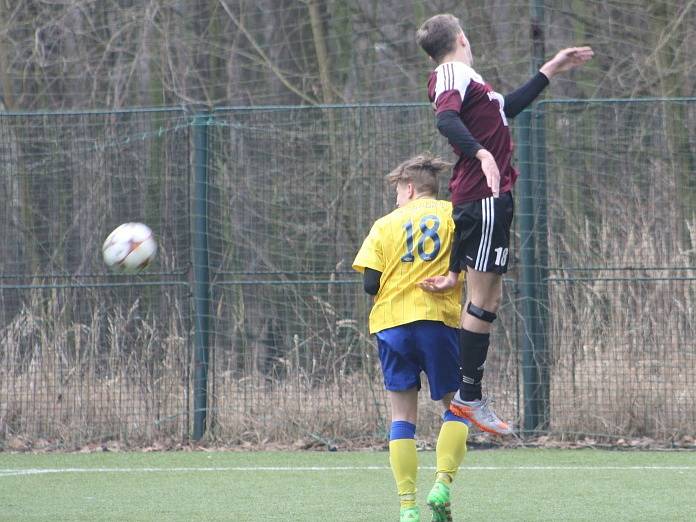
267 343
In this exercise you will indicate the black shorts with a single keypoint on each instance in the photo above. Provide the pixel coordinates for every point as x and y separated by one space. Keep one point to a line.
482 234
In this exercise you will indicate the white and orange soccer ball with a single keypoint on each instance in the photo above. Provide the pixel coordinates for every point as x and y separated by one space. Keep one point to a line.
131 247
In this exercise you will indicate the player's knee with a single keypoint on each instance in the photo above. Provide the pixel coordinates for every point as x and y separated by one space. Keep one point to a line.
492 302
495 303
488 315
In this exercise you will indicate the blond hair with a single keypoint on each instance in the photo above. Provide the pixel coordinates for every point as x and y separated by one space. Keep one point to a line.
421 171
438 35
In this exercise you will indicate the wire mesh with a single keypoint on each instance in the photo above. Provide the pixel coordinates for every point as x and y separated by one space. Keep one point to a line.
622 266
88 355
295 193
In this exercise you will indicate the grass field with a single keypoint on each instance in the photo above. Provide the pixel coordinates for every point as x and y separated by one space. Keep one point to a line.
519 484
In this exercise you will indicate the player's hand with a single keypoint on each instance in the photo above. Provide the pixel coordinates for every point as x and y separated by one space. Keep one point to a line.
490 171
566 59
439 283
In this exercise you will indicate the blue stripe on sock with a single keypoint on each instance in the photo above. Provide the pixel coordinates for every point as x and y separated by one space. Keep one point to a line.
449 416
402 430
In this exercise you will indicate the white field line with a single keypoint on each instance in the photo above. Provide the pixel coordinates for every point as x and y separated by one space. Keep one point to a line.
12 472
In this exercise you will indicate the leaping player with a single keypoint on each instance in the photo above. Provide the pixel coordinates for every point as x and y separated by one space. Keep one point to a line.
474 118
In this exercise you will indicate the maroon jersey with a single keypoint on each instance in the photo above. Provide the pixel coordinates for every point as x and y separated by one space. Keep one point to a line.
454 86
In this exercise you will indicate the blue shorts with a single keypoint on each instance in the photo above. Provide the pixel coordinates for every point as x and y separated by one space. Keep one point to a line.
421 346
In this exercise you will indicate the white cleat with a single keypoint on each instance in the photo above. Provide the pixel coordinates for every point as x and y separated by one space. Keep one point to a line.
480 414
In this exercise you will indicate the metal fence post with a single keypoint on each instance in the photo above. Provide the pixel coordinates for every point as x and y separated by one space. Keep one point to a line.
528 274
201 276
533 254
541 353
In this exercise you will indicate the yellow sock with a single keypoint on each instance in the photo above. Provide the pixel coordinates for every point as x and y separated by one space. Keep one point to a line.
450 449
404 464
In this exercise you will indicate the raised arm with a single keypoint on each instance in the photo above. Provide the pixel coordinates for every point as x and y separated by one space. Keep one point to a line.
565 59
519 99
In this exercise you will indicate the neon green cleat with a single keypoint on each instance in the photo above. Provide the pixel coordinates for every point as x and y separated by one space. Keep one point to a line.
411 514
439 502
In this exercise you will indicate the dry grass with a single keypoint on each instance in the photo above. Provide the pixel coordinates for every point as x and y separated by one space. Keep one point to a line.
622 362
624 358
114 377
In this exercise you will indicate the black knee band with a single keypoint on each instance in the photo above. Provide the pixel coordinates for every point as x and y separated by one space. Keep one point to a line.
480 313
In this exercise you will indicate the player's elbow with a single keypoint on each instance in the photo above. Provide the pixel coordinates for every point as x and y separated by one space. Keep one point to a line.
445 120
371 281
371 288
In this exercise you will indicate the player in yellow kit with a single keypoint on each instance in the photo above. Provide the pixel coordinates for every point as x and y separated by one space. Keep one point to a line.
416 330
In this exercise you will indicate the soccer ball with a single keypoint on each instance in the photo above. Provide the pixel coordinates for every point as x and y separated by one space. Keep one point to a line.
129 248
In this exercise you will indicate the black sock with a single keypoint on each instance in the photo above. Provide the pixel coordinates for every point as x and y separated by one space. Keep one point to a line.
472 358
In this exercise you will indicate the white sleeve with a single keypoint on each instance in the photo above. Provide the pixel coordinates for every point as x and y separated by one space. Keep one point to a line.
454 76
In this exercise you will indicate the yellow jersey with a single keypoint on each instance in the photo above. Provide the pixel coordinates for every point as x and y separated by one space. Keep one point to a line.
409 244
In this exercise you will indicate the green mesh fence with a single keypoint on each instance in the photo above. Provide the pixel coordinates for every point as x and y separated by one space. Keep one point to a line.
621 260
87 355
290 194
294 193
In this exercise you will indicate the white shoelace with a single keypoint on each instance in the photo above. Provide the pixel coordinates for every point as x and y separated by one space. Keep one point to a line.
486 410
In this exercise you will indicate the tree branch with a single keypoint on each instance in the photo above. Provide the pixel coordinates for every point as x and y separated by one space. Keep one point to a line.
265 58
